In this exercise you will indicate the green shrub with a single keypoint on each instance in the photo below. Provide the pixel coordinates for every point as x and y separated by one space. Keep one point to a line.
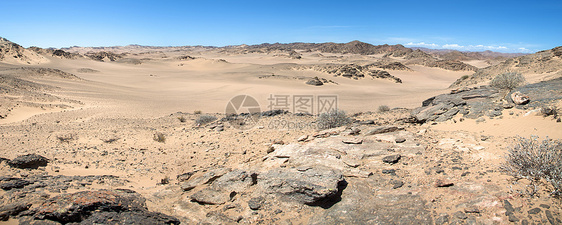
332 119
508 81
536 161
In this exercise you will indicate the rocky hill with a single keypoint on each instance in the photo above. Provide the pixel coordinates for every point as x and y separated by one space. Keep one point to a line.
546 63
12 52
55 53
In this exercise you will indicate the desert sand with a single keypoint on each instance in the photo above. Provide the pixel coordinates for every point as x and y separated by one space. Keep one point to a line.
104 118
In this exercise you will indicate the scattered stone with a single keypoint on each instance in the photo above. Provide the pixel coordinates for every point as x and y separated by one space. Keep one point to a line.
400 140
544 206
519 98
315 82
367 122
396 184
302 138
255 203
270 149
392 159
184 176
14 183
534 211
472 210
443 183
12 210
512 218
460 215
383 129
442 219
550 217
480 120
278 142
30 161
355 141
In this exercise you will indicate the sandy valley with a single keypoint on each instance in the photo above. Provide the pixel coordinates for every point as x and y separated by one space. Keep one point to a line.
124 138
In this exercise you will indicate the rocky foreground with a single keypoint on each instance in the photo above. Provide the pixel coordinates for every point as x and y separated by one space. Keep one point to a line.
385 168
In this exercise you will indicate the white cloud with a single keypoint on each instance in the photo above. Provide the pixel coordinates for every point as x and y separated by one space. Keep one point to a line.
453 46
423 44
479 47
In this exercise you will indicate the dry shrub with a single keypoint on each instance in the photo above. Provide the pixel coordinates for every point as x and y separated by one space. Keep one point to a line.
537 161
384 108
159 137
508 81
332 119
205 119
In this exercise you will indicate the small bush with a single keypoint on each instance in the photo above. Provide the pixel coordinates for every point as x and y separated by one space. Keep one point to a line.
205 119
182 119
536 161
67 137
332 119
159 137
384 108
197 112
508 81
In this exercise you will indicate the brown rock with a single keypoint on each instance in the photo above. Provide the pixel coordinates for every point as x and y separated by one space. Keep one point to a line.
443 183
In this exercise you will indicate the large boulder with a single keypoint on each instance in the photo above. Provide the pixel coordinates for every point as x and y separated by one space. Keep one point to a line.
98 207
314 186
29 161
519 98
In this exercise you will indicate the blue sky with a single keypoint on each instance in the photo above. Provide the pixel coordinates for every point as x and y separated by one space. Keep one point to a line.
505 26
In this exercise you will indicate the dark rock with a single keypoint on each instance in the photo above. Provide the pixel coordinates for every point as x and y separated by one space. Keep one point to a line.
389 171
460 215
30 161
550 218
274 112
255 203
12 210
443 183
184 176
315 186
544 206
392 159
400 140
3 160
442 219
130 217
367 122
315 82
535 211
396 184
14 183
383 129
79 206
512 218
472 210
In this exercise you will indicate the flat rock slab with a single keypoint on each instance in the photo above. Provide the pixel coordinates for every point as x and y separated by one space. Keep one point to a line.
383 129
391 159
354 141
80 206
314 186
361 204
